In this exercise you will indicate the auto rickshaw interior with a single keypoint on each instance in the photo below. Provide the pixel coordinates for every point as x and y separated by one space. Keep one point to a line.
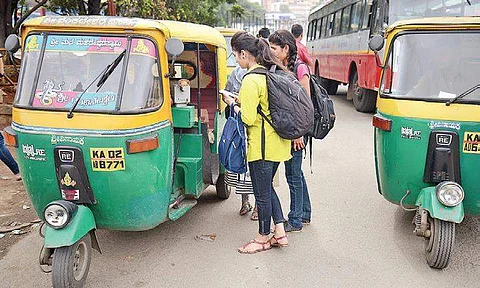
198 75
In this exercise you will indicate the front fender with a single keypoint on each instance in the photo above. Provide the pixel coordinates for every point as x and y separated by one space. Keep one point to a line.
427 199
80 224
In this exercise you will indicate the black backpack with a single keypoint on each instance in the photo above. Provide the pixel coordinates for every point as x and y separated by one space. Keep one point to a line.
324 113
291 111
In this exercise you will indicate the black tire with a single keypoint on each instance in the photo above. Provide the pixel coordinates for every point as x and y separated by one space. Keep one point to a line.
438 248
71 264
223 192
330 85
364 100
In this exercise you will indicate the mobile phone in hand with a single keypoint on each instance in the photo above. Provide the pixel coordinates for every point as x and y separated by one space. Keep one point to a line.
229 94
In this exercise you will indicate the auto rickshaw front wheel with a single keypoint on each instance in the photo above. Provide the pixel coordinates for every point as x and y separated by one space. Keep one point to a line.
223 192
439 246
70 264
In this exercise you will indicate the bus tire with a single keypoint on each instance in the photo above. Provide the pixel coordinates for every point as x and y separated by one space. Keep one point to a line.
439 246
364 100
223 192
330 85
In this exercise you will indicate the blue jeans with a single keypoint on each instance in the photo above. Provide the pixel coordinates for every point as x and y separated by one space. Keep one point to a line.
268 204
6 157
300 208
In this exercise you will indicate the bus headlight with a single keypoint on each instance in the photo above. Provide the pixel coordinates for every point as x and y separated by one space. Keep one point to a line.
450 193
59 213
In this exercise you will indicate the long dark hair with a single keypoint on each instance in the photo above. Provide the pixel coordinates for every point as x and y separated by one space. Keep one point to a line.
259 48
283 38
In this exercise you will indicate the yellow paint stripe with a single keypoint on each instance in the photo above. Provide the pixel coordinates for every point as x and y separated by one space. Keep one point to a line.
49 119
429 110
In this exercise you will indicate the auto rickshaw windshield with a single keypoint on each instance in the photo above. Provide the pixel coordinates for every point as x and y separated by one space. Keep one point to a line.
71 65
436 67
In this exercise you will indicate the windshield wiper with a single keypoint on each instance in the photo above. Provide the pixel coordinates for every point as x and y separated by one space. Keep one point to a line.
103 78
470 90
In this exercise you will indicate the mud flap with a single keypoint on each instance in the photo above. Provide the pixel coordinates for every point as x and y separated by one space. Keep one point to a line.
427 199
80 224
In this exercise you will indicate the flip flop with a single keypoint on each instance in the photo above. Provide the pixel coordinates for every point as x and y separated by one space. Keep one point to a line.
264 247
276 243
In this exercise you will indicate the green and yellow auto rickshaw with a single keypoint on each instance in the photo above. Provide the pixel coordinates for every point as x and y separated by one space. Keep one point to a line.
115 124
427 126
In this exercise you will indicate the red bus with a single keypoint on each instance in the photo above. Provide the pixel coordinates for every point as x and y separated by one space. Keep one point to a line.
338 34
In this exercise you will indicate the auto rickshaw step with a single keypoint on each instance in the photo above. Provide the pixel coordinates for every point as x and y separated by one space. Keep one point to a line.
181 208
192 168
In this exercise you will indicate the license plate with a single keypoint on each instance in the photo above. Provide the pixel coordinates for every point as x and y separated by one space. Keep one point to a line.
471 142
107 159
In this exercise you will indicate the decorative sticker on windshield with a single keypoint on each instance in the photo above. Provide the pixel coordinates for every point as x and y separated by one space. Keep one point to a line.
86 43
471 142
33 43
52 95
143 46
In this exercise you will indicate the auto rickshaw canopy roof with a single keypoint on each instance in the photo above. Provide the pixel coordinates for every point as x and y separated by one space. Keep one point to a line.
187 32
434 23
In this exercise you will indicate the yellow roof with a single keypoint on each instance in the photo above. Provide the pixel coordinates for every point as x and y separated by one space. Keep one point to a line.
187 32
435 22
227 31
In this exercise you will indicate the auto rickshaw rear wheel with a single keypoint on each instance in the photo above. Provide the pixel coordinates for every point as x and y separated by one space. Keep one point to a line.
71 263
439 246
223 192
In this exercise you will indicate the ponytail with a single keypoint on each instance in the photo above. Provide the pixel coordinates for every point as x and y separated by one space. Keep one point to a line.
258 47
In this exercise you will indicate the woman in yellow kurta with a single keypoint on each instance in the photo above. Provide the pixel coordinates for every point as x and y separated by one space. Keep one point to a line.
250 53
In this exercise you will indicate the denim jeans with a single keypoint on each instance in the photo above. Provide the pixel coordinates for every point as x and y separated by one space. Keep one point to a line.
6 157
300 208
268 204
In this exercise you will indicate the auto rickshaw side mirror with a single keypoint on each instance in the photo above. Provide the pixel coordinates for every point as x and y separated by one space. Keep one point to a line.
376 43
12 43
174 47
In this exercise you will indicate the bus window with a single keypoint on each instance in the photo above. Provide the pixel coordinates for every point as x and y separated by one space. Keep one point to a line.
355 16
337 22
309 31
345 19
325 25
314 29
330 24
318 33
367 10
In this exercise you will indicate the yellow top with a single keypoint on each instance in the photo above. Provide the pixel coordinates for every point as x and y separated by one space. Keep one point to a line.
253 92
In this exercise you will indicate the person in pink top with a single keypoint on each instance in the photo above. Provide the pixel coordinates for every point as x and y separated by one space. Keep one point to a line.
302 51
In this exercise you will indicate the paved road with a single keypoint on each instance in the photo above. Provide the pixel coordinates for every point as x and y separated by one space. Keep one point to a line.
356 239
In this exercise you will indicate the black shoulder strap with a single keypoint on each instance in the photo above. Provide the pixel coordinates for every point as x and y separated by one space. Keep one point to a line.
258 70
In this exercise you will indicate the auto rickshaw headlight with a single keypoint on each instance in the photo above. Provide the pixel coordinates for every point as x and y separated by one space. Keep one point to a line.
450 193
58 214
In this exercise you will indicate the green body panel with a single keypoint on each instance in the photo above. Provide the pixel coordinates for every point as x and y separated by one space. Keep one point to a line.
81 223
183 117
133 199
427 199
400 162
188 174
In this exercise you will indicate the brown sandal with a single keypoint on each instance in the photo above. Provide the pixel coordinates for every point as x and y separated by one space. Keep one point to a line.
264 247
254 216
274 241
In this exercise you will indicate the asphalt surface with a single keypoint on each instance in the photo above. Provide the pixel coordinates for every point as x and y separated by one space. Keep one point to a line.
356 239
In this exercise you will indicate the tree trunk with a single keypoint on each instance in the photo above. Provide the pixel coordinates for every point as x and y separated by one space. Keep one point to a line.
93 7
7 8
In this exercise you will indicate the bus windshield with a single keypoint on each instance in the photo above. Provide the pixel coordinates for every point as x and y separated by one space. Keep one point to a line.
58 69
433 66
409 9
